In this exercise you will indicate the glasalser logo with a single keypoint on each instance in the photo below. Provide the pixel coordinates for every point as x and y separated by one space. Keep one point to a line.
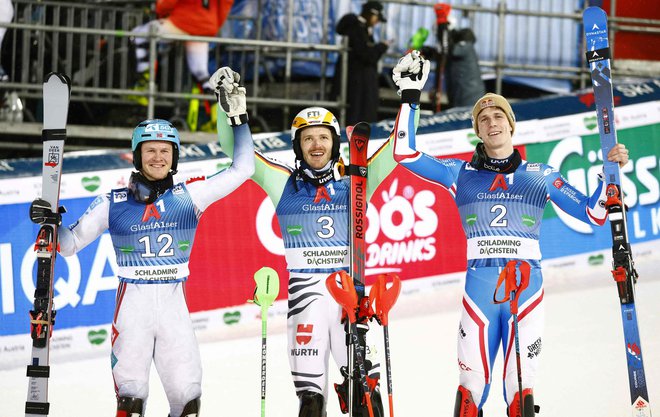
324 207
499 196
153 226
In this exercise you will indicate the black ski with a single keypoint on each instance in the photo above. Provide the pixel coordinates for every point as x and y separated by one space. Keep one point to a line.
623 268
56 94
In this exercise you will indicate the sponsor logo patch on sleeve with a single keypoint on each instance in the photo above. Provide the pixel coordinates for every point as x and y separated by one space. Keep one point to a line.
193 179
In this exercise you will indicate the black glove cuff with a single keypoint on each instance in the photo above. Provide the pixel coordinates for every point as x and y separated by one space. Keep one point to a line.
238 120
410 96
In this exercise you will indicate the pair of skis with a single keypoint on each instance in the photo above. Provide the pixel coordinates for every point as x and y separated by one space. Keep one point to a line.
348 289
56 93
625 276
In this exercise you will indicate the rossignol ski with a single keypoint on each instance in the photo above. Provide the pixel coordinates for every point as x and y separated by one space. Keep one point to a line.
623 269
357 226
56 94
351 294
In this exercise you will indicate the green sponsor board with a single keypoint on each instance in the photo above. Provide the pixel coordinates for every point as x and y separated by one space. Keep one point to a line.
577 160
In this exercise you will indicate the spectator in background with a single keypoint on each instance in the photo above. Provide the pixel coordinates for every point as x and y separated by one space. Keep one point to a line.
6 16
463 75
363 59
183 17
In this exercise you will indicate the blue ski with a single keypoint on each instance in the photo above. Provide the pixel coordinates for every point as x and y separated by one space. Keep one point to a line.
625 276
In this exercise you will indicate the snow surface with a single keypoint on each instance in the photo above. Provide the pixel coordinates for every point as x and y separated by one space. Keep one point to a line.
583 370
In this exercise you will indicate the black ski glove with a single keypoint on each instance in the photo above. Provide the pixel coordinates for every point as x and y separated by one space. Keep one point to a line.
40 213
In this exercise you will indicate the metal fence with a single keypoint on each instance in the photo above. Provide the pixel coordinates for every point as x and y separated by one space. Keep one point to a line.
91 42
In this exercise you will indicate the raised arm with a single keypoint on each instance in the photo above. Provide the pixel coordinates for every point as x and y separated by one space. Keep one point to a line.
409 75
231 96
269 174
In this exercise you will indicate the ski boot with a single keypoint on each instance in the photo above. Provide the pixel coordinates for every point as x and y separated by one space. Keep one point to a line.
529 409
465 406
191 409
311 404
129 407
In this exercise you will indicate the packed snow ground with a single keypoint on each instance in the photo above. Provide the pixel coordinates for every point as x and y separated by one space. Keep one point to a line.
583 369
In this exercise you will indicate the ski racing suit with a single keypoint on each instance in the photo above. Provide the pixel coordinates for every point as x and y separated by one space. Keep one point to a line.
501 215
314 226
152 244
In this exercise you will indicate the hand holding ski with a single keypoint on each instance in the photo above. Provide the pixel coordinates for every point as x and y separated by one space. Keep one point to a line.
41 212
623 269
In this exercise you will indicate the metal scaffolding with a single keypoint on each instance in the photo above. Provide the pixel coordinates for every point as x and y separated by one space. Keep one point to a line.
91 42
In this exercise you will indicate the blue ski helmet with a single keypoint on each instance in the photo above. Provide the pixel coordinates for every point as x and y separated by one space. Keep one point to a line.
155 129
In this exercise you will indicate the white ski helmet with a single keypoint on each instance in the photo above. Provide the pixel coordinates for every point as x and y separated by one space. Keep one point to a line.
315 116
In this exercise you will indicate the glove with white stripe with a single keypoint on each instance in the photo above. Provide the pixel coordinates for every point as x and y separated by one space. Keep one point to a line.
41 213
230 94
410 75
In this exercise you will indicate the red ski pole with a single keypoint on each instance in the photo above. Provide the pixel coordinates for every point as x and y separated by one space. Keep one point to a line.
513 289
344 293
383 299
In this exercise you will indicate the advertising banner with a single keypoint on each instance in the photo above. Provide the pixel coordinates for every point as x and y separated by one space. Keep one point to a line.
413 226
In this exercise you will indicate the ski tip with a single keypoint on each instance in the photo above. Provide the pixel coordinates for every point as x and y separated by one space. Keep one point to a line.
594 11
64 79
360 129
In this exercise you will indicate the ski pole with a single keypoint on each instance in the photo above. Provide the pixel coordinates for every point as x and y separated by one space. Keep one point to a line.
383 299
266 291
345 295
514 288
442 11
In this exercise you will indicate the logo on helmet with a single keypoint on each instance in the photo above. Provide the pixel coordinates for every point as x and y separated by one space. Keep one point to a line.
158 128
314 114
